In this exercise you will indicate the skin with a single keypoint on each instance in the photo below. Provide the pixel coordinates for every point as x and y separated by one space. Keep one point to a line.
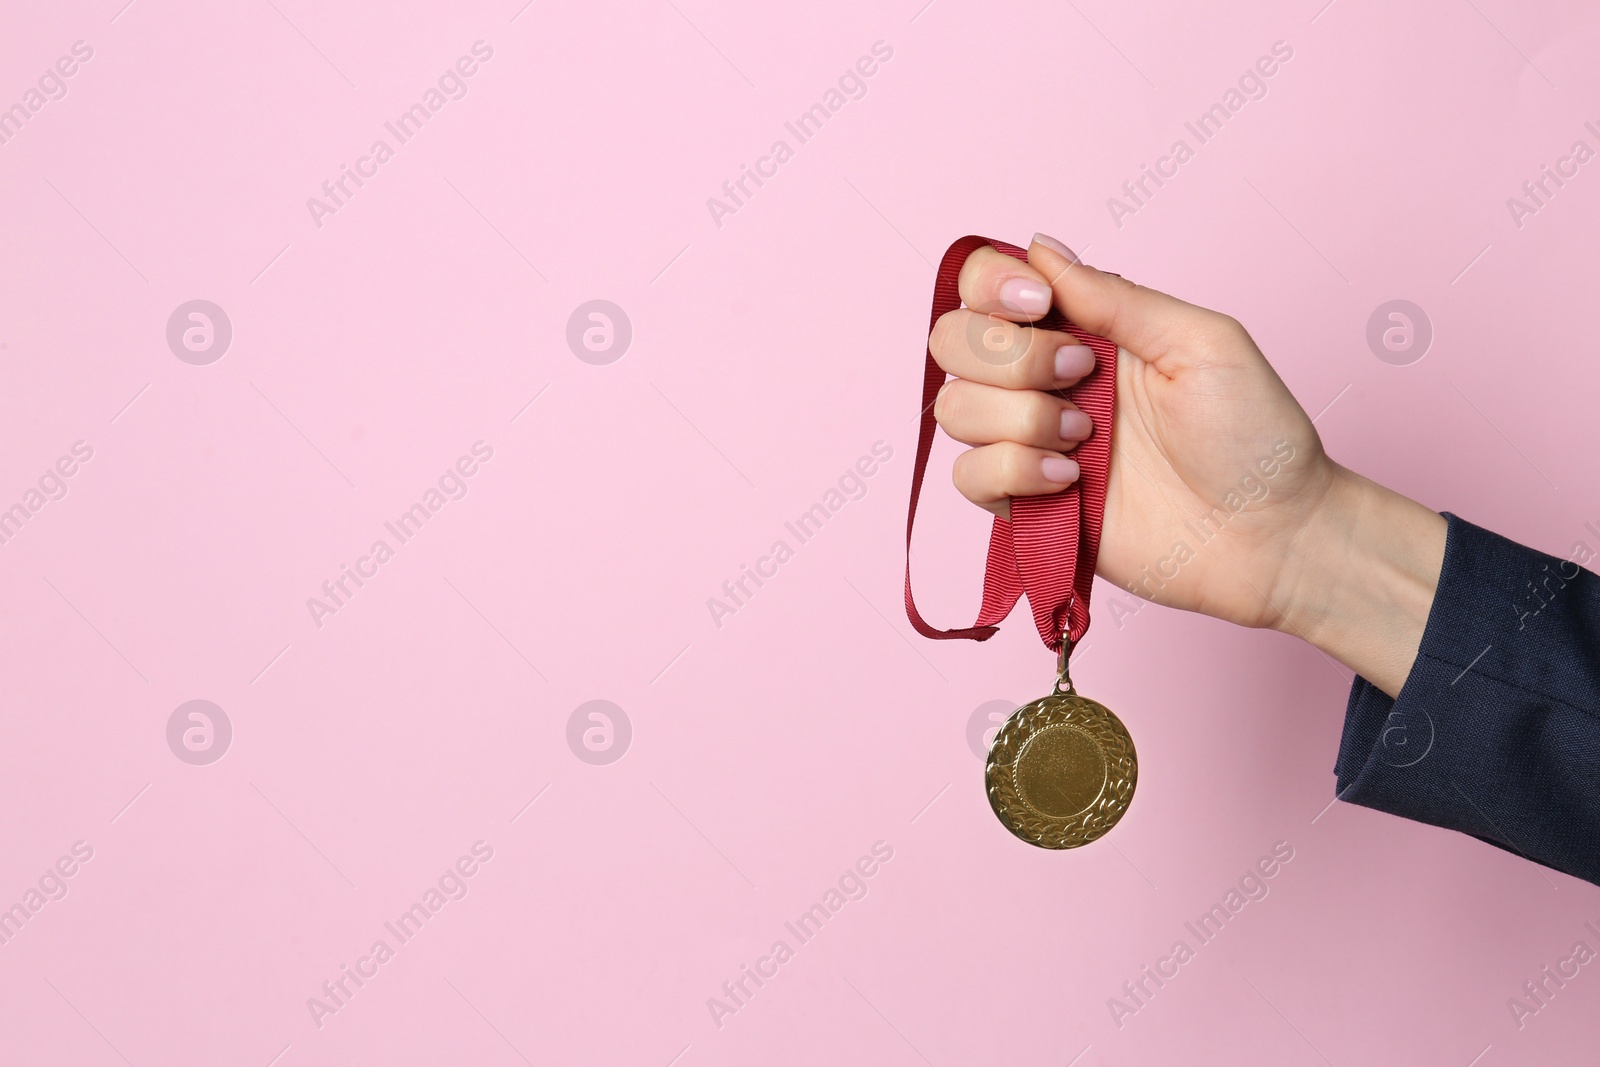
1326 555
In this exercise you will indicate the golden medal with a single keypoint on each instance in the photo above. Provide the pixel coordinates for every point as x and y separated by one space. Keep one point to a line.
1062 769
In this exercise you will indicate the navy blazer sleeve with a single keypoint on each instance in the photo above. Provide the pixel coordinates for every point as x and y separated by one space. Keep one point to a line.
1496 731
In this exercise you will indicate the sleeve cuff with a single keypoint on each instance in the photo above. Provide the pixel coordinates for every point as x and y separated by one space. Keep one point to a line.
1493 733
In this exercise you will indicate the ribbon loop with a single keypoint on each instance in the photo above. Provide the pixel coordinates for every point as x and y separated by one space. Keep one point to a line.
1049 548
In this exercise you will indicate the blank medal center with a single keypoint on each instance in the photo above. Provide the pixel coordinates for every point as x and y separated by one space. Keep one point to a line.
1060 772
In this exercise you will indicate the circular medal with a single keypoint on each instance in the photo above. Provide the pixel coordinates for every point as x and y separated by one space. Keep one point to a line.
1061 771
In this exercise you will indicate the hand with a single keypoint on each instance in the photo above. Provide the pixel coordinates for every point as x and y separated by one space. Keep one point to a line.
1221 499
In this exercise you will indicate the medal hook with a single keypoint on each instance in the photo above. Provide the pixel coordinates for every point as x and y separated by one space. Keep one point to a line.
1063 672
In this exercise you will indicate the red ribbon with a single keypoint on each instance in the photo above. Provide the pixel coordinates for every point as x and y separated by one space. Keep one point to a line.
1049 548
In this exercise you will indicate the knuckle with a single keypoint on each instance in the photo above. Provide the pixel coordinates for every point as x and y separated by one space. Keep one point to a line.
1111 320
944 405
1222 329
963 476
938 338
992 340
1032 357
975 269
1039 419
1009 464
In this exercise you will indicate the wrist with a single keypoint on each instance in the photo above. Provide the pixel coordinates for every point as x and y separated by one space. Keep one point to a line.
1361 578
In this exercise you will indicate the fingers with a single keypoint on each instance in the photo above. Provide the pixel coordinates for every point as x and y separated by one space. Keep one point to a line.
987 348
1005 370
1152 325
991 475
1158 328
993 283
977 414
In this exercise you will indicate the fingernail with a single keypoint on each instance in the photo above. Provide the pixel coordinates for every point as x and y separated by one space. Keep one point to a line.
1075 425
1073 362
1025 297
1059 469
1055 246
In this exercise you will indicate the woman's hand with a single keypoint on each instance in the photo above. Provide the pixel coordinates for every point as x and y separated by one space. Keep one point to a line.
1221 499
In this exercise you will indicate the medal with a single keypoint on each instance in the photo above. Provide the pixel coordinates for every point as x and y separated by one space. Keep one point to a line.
1062 769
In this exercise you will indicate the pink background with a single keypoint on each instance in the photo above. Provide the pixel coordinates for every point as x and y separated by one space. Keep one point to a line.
769 353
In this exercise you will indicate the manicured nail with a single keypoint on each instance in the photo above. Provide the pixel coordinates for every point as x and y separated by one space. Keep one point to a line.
1025 297
1059 469
1073 362
1075 425
1055 246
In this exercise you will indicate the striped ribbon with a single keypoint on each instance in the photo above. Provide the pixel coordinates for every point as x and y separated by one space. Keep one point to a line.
1048 549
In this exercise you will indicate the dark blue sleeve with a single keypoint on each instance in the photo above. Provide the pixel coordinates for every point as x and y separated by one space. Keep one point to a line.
1496 732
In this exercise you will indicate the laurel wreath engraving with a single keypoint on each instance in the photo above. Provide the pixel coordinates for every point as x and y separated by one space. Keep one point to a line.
1122 771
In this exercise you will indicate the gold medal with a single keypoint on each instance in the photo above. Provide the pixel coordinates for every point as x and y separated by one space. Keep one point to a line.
1061 770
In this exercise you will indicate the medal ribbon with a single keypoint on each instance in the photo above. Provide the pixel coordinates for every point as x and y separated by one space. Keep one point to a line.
1049 548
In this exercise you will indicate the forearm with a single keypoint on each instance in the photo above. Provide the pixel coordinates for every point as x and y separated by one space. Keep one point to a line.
1362 579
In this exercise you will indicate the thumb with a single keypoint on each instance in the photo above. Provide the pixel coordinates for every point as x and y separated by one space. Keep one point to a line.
1158 328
